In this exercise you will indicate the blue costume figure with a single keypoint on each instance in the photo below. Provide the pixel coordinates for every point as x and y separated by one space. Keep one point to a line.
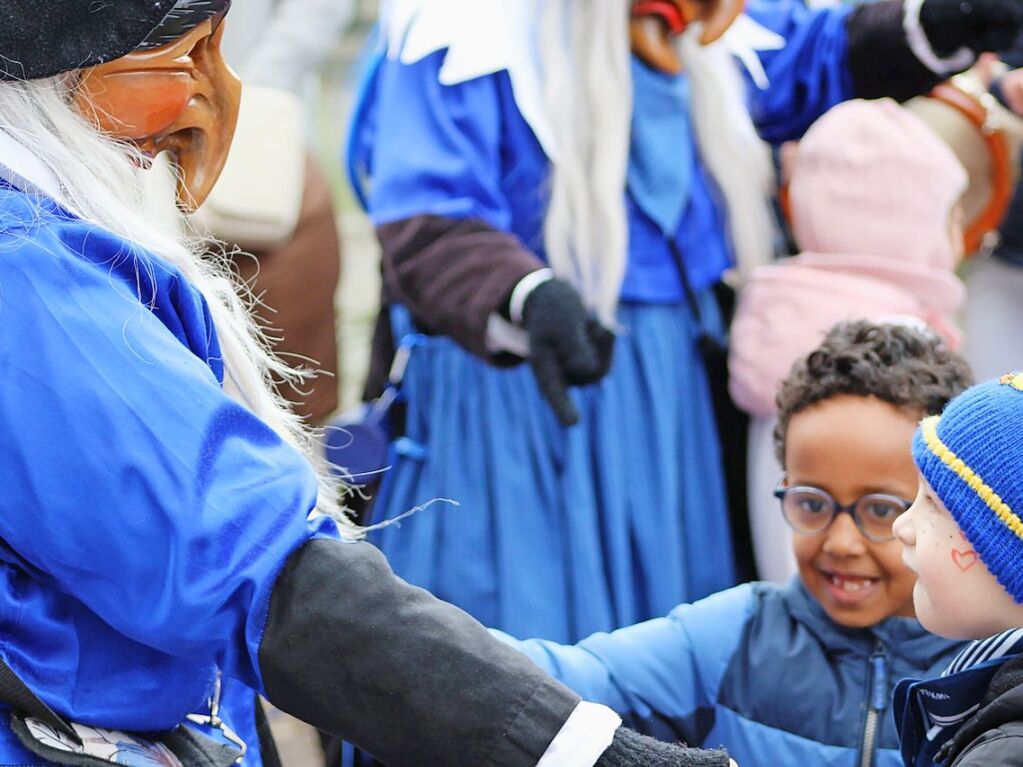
525 212
167 549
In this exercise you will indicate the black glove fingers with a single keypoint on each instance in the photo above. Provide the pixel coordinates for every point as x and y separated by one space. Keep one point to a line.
578 356
604 342
566 349
552 383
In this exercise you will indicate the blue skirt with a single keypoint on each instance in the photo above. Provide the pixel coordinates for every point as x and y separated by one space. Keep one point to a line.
562 532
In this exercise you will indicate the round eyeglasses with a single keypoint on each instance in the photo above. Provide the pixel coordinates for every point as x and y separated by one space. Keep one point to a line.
811 510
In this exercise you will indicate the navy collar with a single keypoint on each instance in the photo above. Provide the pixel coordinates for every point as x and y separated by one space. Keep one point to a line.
929 713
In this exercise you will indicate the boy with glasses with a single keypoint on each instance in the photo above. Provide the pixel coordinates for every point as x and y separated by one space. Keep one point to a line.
803 673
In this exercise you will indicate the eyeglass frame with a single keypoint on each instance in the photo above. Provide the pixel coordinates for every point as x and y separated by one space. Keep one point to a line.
782 490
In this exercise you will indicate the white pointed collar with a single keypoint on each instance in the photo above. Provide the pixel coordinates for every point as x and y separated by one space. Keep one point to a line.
483 37
20 168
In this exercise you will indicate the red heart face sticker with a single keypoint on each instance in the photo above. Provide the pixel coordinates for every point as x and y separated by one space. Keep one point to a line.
964 560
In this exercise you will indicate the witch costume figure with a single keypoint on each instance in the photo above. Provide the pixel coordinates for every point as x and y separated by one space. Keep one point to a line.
542 193
166 549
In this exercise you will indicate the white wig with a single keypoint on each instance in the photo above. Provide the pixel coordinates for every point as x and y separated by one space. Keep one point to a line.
103 182
584 54
584 58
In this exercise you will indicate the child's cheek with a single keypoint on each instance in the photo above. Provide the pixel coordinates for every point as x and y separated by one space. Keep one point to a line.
962 554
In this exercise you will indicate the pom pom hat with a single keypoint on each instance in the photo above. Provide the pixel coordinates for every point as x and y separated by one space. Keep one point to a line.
43 38
972 456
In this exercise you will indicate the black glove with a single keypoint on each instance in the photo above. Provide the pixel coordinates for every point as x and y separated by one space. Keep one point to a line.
630 749
568 346
979 25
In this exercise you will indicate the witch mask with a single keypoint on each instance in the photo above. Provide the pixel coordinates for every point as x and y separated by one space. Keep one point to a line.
655 24
179 97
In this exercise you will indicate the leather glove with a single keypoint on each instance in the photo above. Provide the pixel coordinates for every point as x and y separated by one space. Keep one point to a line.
568 346
979 25
630 749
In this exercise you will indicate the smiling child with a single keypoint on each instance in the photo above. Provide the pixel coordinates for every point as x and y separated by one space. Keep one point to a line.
801 674
963 536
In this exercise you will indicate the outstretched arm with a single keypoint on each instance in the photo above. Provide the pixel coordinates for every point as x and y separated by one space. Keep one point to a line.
656 674
896 48
353 650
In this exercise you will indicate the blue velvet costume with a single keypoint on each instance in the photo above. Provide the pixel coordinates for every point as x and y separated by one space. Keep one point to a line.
145 515
564 532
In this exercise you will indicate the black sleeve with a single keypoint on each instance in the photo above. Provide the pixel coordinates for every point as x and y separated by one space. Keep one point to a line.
357 652
1002 749
452 274
880 60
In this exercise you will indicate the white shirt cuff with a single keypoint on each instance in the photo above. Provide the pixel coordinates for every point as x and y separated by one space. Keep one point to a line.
505 336
586 735
959 61
526 285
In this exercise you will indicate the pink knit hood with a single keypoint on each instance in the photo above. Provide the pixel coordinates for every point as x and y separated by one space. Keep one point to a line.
871 197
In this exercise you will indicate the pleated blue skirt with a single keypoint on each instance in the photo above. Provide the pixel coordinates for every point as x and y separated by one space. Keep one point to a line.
561 532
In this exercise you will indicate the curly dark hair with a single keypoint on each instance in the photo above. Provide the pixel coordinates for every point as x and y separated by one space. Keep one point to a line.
907 367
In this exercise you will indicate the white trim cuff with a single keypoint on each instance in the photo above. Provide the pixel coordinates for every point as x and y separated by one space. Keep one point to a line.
523 289
586 735
959 61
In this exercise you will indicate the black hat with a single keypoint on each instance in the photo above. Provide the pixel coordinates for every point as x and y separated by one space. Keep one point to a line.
42 38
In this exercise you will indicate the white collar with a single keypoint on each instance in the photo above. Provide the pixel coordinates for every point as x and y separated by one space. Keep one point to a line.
482 37
20 168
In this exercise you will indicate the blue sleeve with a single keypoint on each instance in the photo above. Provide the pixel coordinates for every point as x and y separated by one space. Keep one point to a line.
808 76
660 671
434 149
131 482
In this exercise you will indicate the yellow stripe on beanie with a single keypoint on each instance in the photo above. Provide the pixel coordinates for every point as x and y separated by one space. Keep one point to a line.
929 431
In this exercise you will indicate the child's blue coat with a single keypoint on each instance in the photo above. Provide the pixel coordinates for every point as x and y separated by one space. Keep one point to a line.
759 669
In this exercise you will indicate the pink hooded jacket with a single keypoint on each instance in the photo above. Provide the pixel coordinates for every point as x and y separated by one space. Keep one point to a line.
871 197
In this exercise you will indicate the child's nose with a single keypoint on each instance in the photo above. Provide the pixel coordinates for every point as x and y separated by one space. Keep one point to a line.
844 538
904 529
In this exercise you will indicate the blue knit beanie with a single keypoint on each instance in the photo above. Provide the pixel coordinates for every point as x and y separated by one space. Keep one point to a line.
972 456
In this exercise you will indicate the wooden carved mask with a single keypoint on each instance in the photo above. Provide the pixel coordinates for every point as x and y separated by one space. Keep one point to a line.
656 22
181 98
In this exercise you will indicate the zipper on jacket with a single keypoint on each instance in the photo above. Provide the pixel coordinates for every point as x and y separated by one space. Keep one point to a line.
877 704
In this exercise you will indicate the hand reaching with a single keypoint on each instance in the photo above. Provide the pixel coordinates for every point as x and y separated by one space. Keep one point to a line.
568 346
630 749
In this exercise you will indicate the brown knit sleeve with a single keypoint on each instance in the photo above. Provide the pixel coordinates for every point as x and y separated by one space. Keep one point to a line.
452 274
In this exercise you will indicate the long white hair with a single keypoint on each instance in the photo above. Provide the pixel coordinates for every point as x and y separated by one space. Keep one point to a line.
584 61
738 160
103 182
584 58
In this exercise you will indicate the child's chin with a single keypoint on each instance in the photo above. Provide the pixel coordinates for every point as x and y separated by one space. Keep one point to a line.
858 610
855 618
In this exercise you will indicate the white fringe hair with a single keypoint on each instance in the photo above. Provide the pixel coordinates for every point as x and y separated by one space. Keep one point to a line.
584 54
104 183
584 59
738 159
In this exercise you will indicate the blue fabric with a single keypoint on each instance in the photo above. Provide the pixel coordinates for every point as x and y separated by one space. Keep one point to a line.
565 532
144 513
660 129
562 532
929 713
759 669
464 150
